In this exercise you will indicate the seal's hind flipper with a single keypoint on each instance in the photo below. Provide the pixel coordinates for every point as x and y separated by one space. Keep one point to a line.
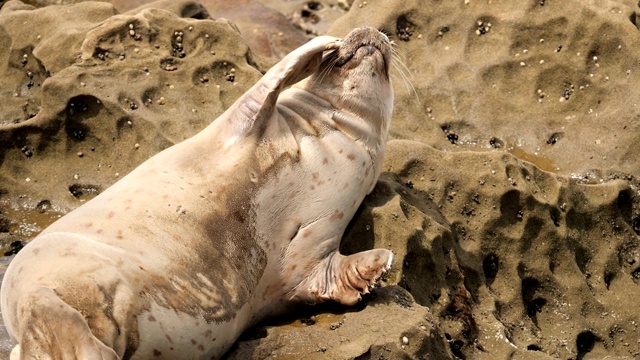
51 329
344 278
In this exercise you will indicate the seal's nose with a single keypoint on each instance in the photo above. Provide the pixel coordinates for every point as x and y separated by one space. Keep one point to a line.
370 49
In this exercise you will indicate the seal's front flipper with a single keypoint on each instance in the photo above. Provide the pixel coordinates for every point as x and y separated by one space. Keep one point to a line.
344 278
257 105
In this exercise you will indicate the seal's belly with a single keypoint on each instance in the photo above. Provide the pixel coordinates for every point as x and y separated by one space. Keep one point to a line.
325 188
167 334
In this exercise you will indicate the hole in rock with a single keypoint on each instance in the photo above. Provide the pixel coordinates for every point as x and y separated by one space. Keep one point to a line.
534 347
83 191
490 267
585 342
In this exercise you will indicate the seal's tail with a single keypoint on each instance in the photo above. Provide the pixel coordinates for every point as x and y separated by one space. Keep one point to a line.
51 329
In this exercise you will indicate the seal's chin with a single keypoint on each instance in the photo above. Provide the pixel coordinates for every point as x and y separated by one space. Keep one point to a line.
360 44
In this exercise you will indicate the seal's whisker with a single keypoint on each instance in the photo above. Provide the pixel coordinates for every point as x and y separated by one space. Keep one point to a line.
395 55
331 64
401 68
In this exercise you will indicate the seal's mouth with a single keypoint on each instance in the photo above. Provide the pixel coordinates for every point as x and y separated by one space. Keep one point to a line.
360 43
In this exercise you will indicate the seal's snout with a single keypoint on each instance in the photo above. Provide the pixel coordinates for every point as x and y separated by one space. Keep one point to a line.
367 38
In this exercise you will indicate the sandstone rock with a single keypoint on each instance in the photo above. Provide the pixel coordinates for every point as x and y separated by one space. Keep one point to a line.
99 93
552 82
373 329
510 195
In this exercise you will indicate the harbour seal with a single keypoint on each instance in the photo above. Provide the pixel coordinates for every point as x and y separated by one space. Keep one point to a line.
209 236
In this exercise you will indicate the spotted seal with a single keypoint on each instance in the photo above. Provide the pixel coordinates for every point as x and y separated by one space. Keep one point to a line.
207 237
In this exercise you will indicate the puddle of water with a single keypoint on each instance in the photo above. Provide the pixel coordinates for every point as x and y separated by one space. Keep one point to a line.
26 224
539 161
321 319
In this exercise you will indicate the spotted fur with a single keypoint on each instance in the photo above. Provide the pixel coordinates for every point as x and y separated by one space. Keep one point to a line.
209 236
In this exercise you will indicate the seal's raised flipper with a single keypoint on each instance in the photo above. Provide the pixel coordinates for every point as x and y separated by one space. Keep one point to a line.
51 329
344 278
259 101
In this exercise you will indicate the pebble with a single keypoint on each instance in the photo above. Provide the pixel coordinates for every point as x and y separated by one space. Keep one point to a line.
405 340
80 154
136 146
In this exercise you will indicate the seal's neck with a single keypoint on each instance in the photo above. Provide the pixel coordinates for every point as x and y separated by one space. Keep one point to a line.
366 125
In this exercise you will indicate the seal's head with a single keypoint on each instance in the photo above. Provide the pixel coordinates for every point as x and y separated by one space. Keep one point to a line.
354 77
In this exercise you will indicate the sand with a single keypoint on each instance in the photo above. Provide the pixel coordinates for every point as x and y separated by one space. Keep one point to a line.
510 193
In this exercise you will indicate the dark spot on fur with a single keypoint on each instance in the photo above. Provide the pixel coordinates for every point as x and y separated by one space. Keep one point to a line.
119 235
337 215
193 341
325 161
110 214
168 338
156 353
351 157
151 318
